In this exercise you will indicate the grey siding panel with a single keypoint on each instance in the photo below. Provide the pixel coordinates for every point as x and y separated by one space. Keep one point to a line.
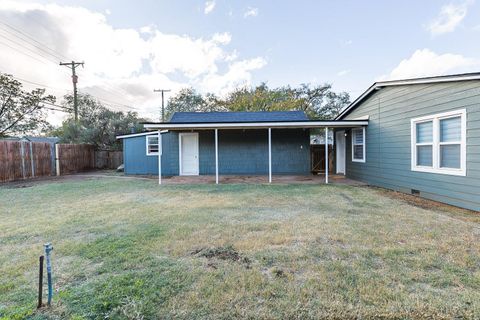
239 152
388 152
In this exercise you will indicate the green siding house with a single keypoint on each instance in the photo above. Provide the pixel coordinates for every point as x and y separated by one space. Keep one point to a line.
423 137
418 136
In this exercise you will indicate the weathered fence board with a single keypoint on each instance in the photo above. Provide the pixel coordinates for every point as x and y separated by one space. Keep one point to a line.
105 159
17 162
75 158
25 160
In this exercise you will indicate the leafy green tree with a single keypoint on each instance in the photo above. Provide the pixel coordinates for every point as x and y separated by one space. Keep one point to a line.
261 98
96 124
318 102
189 100
22 111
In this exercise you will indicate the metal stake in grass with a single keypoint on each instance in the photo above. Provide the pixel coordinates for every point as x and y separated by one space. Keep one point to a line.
48 249
40 282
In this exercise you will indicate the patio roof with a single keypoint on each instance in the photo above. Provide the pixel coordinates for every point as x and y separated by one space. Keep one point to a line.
255 125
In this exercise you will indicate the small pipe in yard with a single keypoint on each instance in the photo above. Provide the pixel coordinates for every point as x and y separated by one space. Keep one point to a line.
48 249
40 283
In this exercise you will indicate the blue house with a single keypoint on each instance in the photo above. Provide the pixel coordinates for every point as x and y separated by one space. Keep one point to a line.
418 136
225 143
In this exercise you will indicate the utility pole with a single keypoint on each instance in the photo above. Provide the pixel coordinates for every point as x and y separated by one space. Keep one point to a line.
72 65
163 106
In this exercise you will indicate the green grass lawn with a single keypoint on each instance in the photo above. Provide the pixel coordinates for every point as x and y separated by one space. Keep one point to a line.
130 249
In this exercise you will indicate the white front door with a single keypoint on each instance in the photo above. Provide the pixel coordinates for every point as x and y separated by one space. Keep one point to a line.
340 151
188 153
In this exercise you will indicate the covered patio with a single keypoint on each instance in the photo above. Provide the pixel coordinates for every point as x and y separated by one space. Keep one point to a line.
186 129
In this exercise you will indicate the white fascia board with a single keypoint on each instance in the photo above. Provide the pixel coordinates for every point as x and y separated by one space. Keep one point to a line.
429 80
139 134
259 125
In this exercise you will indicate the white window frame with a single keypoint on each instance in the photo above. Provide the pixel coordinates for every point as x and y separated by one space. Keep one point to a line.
435 118
147 138
363 144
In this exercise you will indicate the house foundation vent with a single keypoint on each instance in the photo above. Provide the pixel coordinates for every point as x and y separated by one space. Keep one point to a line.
415 192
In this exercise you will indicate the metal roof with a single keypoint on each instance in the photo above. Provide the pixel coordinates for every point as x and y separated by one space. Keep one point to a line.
234 117
381 84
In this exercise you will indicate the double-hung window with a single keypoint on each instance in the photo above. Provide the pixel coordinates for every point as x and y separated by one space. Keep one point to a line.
358 145
439 143
152 145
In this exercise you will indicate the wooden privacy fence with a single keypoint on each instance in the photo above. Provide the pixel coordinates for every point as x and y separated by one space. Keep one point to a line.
25 160
317 158
105 159
73 158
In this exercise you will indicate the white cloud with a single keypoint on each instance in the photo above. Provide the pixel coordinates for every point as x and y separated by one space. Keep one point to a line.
450 16
425 62
222 38
238 74
209 6
343 73
121 65
251 12
346 43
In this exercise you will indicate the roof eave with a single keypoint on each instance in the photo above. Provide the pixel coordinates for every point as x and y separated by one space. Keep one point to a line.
257 125
381 84
132 135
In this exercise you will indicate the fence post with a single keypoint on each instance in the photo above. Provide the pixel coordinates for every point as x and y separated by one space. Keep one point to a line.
57 160
32 162
22 152
53 169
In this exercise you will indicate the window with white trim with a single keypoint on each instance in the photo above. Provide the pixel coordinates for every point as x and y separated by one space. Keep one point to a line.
439 143
152 145
358 145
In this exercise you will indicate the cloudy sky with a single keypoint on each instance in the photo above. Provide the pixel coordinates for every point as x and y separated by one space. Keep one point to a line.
131 48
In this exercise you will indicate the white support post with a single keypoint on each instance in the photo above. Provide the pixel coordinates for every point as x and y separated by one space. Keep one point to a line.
269 155
216 156
159 157
326 155
57 159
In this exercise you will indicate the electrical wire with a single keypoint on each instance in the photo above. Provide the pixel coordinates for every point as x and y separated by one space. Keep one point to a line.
48 58
24 35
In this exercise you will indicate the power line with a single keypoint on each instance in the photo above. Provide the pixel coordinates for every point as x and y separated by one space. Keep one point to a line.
51 53
44 86
28 49
25 36
24 53
48 59
110 101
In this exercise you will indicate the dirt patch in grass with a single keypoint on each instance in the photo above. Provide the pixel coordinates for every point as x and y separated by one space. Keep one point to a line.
226 253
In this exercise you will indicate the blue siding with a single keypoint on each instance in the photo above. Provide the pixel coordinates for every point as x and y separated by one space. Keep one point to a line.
240 152
388 155
136 160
